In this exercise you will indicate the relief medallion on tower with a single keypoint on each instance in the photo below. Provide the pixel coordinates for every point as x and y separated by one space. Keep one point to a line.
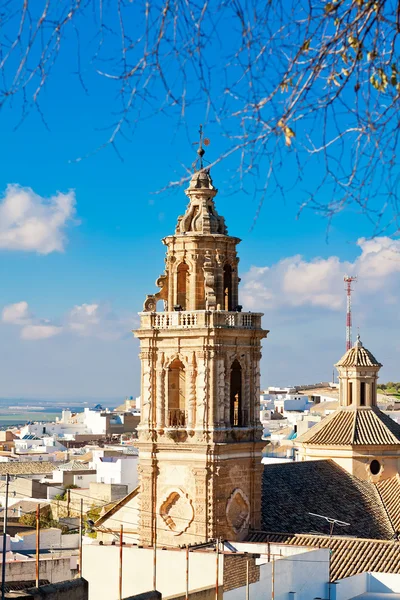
177 511
238 510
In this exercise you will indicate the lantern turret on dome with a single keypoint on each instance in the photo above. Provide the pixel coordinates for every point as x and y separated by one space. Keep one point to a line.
358 436
358 374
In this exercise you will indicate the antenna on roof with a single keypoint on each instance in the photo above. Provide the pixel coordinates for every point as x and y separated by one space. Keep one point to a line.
348 280
332 522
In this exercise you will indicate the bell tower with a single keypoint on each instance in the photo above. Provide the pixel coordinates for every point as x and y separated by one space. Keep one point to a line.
199 438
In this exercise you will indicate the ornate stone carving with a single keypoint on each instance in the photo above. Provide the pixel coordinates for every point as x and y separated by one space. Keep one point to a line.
150 304
209 282
201 391
160 387
238 510
191 391
177 511
146 392
220 400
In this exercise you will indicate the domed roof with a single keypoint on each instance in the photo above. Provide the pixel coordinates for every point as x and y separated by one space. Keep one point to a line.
201 215
201 179
358 356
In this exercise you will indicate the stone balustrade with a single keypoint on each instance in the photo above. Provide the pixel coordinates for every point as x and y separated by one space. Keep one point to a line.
198 319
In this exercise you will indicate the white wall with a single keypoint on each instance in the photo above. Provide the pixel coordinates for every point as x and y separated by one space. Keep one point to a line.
83 481
121 470
70 540
349 587
49 538
95 422
378 583
53 568
100 567
306 574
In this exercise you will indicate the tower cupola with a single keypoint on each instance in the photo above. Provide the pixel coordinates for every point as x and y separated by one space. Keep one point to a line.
358 374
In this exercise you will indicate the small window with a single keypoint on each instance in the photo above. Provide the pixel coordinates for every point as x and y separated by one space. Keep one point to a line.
350 395
375 467
362 393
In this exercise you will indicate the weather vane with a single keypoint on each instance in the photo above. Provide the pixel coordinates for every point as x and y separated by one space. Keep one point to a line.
200 150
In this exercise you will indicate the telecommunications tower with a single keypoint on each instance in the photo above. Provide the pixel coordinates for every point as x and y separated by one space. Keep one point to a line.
348 280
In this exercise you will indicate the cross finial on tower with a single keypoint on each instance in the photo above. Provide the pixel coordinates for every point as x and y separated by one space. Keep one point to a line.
200 150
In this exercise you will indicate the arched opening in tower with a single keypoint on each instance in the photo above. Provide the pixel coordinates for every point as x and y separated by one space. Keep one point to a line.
176 394
228 287
236 416
182 285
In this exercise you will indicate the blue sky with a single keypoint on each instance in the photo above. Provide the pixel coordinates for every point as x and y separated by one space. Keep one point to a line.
68 307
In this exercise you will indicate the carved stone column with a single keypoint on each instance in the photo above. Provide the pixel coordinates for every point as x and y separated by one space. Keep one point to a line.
209 282
201 391
220 389
160 394
147 390
227 397
246 378
256 390
191 391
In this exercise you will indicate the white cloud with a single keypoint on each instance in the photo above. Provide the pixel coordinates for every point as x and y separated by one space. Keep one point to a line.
16 314
86 320
295 282
98 320
32 223
31 327
39 332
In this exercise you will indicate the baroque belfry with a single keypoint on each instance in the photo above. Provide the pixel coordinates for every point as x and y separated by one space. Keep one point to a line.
199 438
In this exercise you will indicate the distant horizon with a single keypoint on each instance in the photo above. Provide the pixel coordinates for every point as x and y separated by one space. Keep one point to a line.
78 399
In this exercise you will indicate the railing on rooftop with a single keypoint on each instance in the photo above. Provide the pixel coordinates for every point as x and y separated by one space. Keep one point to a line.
200 318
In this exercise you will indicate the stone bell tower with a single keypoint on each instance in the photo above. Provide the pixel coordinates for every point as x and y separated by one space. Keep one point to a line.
199 437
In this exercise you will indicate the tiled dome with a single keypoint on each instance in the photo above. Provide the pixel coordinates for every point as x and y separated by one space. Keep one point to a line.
358 356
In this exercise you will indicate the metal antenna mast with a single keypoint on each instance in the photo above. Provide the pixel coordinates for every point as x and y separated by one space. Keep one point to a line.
348 280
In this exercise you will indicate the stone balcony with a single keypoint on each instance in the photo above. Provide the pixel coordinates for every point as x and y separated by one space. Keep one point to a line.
199 319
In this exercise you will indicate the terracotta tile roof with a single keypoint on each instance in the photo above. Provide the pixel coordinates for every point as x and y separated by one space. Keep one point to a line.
290 491
88 457
27 467
349 555
354 426
358 356
74 465
389 491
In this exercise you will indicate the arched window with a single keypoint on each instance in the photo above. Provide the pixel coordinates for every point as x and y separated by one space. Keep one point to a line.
228 287
176 395
236 417
182 285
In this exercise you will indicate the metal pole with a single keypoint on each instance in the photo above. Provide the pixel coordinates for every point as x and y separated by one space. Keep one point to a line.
155 563
187 572
273 579
37 543
121 534
154 515
247 579
80 539
217 571
3 565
